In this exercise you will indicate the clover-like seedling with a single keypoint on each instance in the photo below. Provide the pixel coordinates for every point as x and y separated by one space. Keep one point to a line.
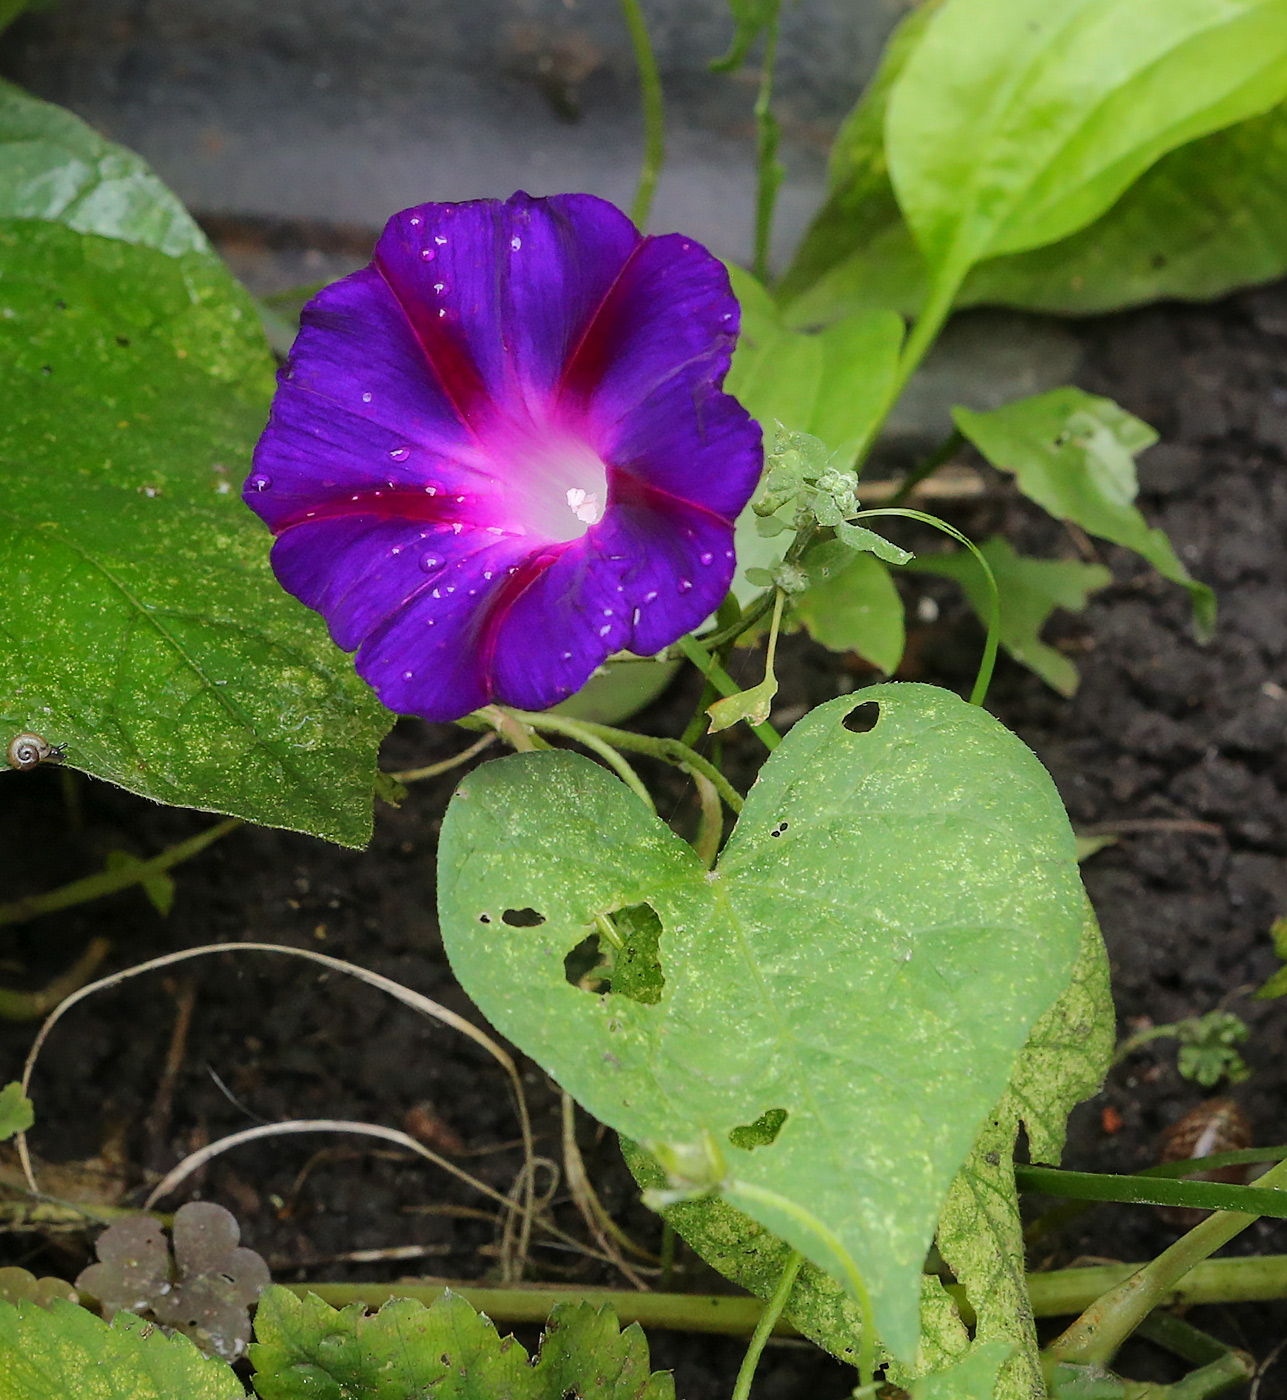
20 1286
204 1290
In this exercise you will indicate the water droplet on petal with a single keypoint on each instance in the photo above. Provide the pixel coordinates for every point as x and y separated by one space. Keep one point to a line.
567 656
456 527
487 573
708 558
397 549
415 222
439 239
604 630
366 398
648 597
430 562
399 454
440 287
427 255
406 675
516 243
685 585
261 481
638 613
442 312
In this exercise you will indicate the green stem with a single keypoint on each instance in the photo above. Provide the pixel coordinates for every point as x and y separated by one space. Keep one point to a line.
671 751
1152 1191
110 881
434 770
933 315
768 1319
710 826
1105 1325
1054 1294
808 1222
717 641
769 169
725 684
584 734
654 156
32 1005
607 929
989 661
944 452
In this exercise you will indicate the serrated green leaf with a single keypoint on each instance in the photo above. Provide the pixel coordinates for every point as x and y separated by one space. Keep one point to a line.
63 1352
980 1234
1029 590
55 168
1073 453
1207 218
16 1112
924 867
856 609
141 625
1014 123
309 1351
1276 986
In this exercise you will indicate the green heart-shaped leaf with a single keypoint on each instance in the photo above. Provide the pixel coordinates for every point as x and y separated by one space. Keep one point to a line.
894 911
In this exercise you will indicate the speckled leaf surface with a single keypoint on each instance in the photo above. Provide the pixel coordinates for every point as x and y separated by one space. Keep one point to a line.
64 1352
139 623
309 1351
980 1233
1074 454
894 911
1014 122
55 168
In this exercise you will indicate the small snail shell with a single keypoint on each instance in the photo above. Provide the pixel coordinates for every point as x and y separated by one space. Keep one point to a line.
28 750
1216 1125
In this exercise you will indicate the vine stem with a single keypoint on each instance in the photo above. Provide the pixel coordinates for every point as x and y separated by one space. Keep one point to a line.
807 1221
1054 1294
671 751
725 684
768 1319
654 112
110 881
989 661
1111 1318
769 175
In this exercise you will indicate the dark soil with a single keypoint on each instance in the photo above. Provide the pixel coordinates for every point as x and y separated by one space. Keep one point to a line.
1162 729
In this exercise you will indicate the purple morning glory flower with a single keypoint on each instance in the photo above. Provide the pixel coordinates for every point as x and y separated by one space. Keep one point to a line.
501 452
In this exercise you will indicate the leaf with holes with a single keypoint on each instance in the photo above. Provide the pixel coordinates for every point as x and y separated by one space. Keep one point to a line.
898 904
139 623
1074 454
63 1352
306 1350
1029 591
1014 122
980 1233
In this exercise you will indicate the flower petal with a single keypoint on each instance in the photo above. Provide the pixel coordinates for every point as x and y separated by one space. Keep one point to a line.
511 286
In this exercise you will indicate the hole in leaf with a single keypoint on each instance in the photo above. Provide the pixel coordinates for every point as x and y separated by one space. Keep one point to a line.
762 1133
522 918
778 829
637 971
586 968
862 718
622 956
484 918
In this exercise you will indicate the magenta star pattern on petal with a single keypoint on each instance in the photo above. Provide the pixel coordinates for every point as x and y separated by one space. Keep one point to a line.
501 452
